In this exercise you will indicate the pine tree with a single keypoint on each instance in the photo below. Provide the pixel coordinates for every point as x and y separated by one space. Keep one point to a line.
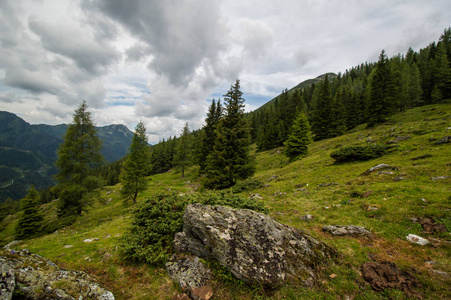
30 221
78 155
230 159
322 114
298 140
136 165
381 92
182 157
209 133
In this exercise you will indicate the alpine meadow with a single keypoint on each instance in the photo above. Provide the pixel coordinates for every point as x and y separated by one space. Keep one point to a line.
338 188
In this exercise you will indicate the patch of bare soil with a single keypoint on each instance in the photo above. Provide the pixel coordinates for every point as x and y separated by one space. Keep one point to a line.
387 275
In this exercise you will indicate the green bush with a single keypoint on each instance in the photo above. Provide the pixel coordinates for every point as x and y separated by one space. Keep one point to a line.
246 185
358 153
158 218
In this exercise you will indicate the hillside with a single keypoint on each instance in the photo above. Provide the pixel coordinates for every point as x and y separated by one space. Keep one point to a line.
28 152
391 204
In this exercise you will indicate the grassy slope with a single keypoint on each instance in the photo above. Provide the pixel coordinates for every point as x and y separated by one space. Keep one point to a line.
398 202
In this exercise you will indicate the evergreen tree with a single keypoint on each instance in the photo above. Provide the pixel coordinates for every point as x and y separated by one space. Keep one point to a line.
209 136
338 116
442 74
182 157
298 140
230 159
78 155
136 165
381 92
30 221
322 114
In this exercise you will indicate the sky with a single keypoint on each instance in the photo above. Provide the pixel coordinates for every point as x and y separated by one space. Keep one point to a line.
162 62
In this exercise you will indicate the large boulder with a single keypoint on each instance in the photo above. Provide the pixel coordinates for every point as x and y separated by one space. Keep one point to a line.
38 278
254 247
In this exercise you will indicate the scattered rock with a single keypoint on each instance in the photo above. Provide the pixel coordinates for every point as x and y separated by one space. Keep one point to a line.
430 226
279 193
7 280
88 240
202 293
346 230
439 177
327 184
399 178
255 196
444 140
300 185
385 173
190 273
387 275
372 208
109 192
379 167
307 218
417 239
302 190
253 246
440 273
399 139
12 244
273 177
68 246
39 278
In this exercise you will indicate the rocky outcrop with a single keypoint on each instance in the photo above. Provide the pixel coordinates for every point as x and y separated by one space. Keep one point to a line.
379 167
254 247
39 278
7 280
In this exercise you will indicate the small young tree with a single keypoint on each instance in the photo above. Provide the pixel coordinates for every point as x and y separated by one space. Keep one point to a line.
298 140
78 155
136 165
183 153
30 221
209 133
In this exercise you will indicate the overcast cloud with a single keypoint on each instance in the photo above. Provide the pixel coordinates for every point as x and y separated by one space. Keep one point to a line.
163 61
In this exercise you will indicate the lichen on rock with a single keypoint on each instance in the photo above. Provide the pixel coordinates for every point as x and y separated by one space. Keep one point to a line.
251 245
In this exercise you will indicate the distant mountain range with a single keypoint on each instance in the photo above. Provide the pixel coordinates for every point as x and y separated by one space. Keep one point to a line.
28 152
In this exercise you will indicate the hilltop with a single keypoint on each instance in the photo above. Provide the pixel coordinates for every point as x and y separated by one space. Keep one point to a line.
391 204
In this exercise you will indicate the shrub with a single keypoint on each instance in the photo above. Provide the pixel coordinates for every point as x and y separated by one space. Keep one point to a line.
356 153
246 185
158 218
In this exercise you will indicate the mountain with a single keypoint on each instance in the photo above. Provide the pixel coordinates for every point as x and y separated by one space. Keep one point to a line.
28 152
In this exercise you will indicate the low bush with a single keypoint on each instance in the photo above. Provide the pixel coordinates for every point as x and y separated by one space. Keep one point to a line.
358 153
246 185
158 218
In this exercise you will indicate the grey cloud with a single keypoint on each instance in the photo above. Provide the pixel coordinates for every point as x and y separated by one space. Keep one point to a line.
180 34
90 55
34 82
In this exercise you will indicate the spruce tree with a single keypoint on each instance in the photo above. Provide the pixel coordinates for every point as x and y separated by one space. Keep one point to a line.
209 133
136 165
382 90
230 159
182 156
322 114
30 221
78 155
298 140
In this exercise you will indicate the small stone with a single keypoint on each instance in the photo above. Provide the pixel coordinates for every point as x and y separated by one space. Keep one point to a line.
440 272
68 246
372 208
87 240
307 217
439 177
202 293
255 196
346 230
399 178
417 239
272 177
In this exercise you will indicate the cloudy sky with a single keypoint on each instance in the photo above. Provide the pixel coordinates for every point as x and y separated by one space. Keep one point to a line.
163 61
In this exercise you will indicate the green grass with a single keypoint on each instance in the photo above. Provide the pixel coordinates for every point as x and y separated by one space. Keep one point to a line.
292 192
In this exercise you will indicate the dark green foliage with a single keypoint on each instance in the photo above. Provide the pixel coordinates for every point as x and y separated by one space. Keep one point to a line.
78 156
297 143
230 160
30 220
182 157
358 153
246 185
157 219
136 165
208 136
322 113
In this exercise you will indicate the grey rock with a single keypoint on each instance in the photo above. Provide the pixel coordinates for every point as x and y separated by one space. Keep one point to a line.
255 196
36 274
190 273
347 230
439 177
10 246
379 167
417 239
254 247
327 184
444 140
273 177
399 178
307 218
7 280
